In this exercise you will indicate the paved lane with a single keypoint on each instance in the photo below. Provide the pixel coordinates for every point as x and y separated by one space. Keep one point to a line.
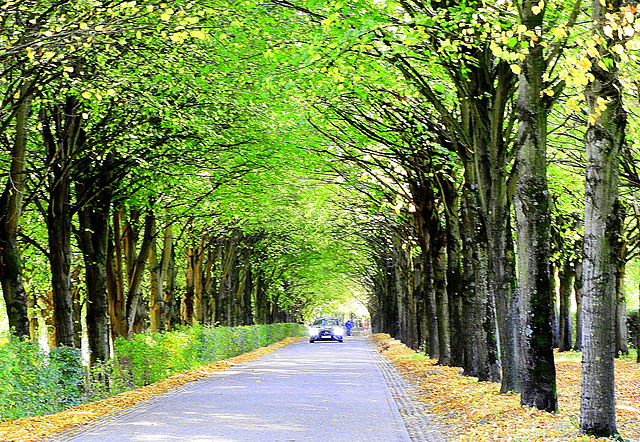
321 391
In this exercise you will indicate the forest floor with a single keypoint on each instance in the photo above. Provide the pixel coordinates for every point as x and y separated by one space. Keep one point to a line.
472 411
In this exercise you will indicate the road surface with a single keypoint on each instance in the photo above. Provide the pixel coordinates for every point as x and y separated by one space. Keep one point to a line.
321 391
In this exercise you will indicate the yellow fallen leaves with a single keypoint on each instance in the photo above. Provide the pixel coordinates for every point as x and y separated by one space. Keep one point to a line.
41 427
474 411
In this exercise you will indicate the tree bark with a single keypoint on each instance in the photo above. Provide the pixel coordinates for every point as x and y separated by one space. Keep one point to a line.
442 306
93 239
116 278
566 274
538 375
133 293
604 140
155 288
577 288
454 271
481 352
622 347
166 281
62 135
15 297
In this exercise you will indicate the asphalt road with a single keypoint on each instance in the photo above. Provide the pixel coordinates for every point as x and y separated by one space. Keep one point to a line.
321 391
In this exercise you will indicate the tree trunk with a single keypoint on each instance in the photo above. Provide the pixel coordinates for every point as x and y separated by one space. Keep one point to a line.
487 92
133 294
247 303
566 274
481 359
78 305
622 347
604 140
442 305
62 135
538 375
260 298
199 301
411 321
454 272
506 295
155 288
93 239
577 288
554 312
116 278
166 283
15 297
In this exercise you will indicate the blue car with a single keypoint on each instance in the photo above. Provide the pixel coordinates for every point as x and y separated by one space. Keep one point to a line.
326 329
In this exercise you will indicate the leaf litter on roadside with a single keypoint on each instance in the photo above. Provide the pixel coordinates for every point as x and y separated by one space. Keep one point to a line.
472 411
41 427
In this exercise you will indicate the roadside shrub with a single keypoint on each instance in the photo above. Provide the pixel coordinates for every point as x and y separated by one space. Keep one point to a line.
34 382
150 357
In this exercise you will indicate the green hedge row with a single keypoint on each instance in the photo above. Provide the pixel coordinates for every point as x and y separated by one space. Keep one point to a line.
34 382
148 358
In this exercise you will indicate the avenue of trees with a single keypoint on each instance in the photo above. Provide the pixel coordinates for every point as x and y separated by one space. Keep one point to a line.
467 169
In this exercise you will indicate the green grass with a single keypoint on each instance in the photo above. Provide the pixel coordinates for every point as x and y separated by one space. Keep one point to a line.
576 356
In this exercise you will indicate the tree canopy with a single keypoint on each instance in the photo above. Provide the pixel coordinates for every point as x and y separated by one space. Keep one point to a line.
237 162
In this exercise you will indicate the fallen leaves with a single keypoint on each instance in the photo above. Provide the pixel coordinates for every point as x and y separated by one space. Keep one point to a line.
41 427
475 411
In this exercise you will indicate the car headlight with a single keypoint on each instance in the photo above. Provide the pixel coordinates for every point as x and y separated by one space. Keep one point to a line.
338 331
313 331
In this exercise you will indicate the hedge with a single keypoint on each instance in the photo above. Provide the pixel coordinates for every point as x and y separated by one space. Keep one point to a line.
35 382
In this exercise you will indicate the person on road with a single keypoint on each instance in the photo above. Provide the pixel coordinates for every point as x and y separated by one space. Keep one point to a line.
348 326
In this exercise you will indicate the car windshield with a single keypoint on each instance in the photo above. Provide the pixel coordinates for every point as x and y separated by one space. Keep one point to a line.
325 321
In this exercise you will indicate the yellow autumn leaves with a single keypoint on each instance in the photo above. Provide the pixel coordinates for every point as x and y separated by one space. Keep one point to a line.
471 411
618 40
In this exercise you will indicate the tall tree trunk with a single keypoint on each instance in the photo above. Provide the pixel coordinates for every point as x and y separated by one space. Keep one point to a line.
15 297
411 322
481 358
604 140
622 337
78 305
166 281
261 301
133 294
554 311
155 288
538 375
487 93
577 288
401 290
116 278
506 296
199 301
566 274
62 137
454 271
247 304
93 239
442 305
